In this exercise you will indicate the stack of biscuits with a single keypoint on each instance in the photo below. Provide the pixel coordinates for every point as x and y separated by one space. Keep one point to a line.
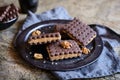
58 49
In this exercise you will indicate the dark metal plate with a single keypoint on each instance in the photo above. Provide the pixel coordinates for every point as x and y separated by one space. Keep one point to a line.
27 51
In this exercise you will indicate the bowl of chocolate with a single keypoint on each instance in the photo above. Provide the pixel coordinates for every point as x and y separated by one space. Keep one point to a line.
8 16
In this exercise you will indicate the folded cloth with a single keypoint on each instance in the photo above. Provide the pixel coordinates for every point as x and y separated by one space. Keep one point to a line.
107 64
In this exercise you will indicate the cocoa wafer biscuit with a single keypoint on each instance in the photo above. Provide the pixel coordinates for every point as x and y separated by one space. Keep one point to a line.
3 11
78 31
63 49
8 12
44 38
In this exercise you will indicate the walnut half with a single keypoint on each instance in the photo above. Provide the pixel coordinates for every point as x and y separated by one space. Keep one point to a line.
38 56
85 50
36 33
66 44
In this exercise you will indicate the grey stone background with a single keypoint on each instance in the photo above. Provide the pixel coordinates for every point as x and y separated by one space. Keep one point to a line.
12 67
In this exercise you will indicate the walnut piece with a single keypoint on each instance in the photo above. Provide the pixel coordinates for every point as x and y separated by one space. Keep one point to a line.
38 56
66 44
36 33
85 50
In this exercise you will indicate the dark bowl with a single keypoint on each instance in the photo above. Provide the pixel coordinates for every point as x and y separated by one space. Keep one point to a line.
5 25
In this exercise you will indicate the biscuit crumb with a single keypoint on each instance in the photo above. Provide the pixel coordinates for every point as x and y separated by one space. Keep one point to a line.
36 33
66 44
85 50
38 56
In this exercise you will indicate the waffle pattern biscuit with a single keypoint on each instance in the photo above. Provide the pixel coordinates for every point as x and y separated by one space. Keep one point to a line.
8 13
58 52
78 31
44 38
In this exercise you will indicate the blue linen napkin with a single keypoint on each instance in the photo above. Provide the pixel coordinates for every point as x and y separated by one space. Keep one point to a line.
107 64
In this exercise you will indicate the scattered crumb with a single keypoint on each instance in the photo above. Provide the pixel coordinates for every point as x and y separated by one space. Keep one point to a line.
44 61
99 45
52 63
56 63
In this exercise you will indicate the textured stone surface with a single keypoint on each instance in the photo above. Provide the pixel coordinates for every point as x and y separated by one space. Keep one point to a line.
12 67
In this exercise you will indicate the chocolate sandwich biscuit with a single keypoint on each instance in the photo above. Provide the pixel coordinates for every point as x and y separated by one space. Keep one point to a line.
8 13
39 38
78 31
63 49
